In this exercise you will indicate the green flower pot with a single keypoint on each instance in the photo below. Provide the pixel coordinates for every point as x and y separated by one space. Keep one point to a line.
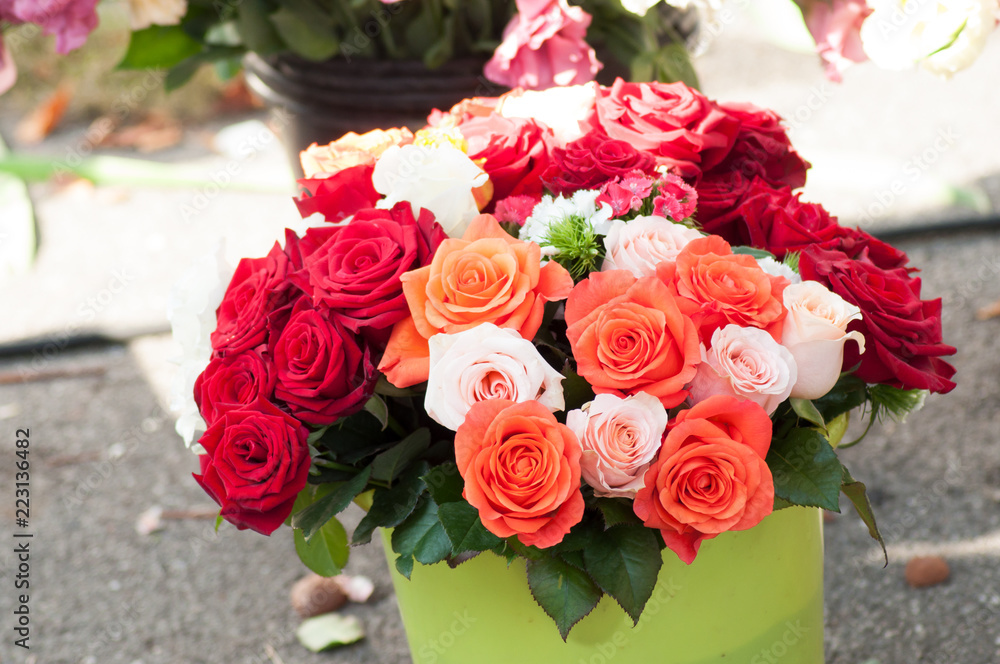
751 597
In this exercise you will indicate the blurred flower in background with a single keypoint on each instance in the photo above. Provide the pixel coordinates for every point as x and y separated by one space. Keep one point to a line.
145 13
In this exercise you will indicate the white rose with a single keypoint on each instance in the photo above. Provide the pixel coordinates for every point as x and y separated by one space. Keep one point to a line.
942 36
144 13
620 438
746 363
815 331
562 109
643 243
778 269
191 311
486 362
440 178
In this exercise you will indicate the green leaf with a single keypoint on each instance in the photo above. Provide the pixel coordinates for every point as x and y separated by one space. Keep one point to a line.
805 409
160 47
849 393
465 529
617 511
421 535
805 469
328 631
445 483
391 462
316 435
311 518
391 506
624 563
753 251
673 63
327 552
404 565
310 39
857 493
255 28
576 390
377 407
218 522
564 592
780 504
836 428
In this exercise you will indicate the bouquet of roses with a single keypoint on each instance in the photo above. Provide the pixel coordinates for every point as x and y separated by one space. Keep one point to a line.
576 326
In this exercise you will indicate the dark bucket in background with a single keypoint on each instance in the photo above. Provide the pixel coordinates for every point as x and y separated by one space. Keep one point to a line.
318 102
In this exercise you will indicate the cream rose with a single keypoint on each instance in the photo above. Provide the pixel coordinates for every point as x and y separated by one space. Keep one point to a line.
440 178
486 362
620 438
643 243
815 331
746 363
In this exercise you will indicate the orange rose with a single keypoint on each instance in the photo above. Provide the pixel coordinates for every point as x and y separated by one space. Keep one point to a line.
710 475
350 150
486 277
629 335
521 470
718 287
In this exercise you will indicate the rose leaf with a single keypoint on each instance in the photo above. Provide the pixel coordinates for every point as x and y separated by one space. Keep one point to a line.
444 483
565 593
625 562
327 552
388 465
312 517
391 506
328 631
805 469
858 495
465 529
421 535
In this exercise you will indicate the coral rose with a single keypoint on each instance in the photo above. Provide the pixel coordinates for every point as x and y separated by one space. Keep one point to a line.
717 287
521 470
710 475
629 335
486 277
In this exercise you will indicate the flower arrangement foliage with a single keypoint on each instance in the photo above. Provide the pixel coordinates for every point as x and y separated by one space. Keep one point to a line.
534 43
589 327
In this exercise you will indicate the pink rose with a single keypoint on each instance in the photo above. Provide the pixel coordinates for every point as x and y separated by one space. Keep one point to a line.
544 46
836 27
482 363
678 125
643 243
620 438
815 331
746 363
71 21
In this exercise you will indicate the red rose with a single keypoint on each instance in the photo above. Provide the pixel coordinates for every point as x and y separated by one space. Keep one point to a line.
854 240
231 382
340 195
513 151
259 287
903 340
777 221
762 148
323 370
679 126
588 162
355 270
720 193
256 462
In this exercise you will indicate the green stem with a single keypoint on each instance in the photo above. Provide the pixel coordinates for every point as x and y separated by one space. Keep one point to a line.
871 422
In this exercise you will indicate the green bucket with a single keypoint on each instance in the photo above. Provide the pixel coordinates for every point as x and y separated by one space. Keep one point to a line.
751 597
